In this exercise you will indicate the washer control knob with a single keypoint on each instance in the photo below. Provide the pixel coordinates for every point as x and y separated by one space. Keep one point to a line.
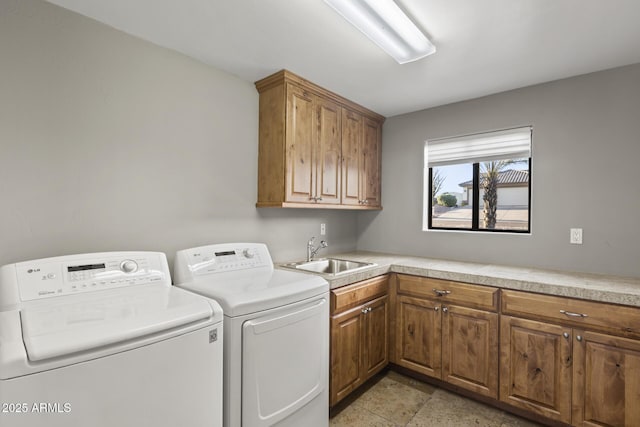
249 253
129 266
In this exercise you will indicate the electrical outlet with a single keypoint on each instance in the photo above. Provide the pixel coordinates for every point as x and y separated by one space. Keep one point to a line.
323 229
575 237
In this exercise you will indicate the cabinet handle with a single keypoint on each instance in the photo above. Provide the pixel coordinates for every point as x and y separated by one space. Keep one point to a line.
319 199
566 335
440 292
366 310
436 308
445 310
579 337
571 314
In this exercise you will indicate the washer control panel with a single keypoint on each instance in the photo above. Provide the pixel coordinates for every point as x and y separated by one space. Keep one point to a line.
86 273
222 258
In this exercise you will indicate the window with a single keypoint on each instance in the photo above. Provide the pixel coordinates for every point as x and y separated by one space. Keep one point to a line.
479 182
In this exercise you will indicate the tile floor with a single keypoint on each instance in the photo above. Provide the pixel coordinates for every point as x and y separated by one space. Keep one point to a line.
396 400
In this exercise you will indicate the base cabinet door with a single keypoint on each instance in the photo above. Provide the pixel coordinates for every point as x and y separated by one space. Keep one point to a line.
535 367
470 349
606 389
418 335
347 353
376 338
359 335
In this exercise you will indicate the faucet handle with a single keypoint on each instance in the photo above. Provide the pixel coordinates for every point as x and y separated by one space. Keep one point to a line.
323 243
311 240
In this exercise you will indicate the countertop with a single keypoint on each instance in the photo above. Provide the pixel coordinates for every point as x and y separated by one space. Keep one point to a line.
593 287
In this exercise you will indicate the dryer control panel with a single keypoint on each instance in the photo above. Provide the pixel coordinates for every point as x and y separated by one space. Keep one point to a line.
74 274
221 258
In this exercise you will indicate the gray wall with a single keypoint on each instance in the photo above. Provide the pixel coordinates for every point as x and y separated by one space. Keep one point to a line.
585 173
108 142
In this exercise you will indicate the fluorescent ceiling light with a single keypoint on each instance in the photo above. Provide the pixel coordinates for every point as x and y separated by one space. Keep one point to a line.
387 26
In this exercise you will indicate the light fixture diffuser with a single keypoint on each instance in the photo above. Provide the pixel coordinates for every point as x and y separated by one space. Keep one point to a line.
387 26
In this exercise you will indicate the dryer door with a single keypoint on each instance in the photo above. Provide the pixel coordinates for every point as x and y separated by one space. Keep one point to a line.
285 362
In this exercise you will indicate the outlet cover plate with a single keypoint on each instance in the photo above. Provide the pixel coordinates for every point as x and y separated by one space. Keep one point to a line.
575 237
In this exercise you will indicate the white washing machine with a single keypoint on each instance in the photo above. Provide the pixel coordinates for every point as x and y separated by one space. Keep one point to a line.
276 334
104 340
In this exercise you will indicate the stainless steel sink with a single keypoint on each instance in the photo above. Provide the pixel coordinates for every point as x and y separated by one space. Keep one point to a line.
330 266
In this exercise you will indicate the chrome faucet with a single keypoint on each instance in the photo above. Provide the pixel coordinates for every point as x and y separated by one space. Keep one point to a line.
311 251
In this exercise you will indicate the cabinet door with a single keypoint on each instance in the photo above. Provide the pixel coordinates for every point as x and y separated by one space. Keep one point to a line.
470 349
328 152
299 145
352 135
376 354
346 353
606 389
418 332
535 367
371 156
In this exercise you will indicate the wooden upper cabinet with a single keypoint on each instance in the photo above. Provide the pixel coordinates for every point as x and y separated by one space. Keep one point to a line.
316 149
352 137
361 152
300 174
371 166
328 151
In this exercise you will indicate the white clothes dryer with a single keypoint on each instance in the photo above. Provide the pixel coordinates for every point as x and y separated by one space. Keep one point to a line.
104 340
276 334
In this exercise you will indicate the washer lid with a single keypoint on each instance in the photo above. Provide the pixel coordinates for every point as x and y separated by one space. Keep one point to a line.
88 321
251 291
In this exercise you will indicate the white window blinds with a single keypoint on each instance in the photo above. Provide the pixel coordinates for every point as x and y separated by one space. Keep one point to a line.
482 147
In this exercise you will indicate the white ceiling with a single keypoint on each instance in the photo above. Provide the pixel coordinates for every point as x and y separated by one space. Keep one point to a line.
483 46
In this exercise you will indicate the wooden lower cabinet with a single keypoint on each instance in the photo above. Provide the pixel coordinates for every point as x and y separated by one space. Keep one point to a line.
347 353
536 367
376 337
567 372
359 335
571 361
470 349
606 383
437 337
418 335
